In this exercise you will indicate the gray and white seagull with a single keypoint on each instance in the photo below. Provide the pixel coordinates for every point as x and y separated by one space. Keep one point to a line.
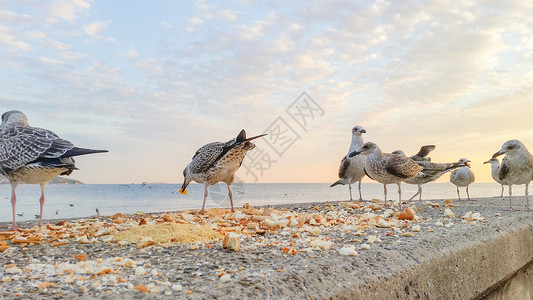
463 177
217 162
516 167
352 169
494 171
33 155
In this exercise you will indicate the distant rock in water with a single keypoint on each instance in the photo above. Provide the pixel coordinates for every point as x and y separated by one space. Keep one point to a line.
63 180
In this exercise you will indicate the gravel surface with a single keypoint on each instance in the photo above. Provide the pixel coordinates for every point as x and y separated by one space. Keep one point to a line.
297 251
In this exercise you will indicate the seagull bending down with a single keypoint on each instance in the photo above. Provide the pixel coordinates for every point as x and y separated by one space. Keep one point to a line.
33 155
516 167
387 168
216 162
352 169
463 177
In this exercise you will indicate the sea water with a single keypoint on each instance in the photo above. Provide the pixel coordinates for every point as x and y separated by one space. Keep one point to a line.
70 201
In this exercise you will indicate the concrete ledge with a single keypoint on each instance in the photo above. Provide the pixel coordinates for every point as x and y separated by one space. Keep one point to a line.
462 271
463 262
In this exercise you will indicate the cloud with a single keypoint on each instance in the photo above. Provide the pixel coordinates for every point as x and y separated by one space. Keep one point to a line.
94 28
67 10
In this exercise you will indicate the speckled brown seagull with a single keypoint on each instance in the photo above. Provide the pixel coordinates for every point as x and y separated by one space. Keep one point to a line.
516 167
217 162
33 155
387 168
430 172
352 169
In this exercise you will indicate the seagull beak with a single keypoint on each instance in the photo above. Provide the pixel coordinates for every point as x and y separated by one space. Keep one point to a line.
363 131
354 154
183 189
497 154
255 137
488 161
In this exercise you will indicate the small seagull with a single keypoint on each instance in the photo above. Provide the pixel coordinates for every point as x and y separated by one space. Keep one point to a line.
462 177
352 169
216 162
495 170
516 167
57 212
71 204
387 168
20 214
97 213
33 155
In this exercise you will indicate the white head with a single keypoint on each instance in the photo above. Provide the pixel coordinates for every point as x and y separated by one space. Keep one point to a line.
510 148
13 118
465 162
358 130
493 161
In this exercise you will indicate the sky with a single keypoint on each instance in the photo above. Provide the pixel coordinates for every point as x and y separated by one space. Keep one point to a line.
152 81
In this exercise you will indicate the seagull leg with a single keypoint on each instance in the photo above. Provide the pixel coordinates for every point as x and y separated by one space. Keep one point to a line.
467 194
385 192
502 192
400 195
205 197
527 197
417 193
458 194
230 194
420 193
360 195
510 197
350 188
41 201
13 206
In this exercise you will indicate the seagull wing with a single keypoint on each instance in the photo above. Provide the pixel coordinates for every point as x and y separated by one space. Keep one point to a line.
424 150
402 166
504 168
206 156
345 164
21 145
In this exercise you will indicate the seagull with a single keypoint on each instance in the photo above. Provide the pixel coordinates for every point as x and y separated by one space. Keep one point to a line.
216 162
20 214
33 155
421 155
462 177
387 168
495 169
352 169
516 167
430 172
